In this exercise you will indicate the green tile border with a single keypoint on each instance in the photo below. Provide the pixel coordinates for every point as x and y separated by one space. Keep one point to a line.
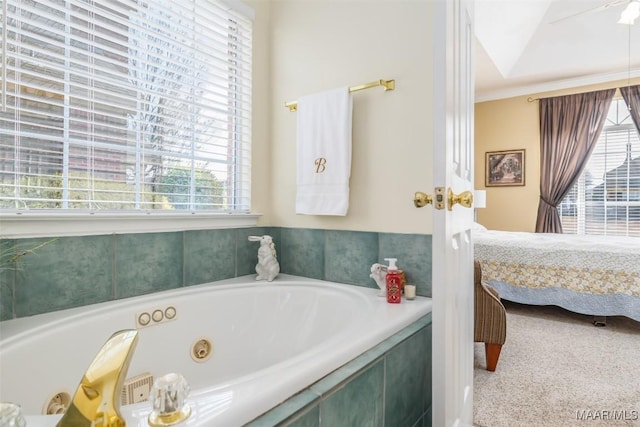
288 410
307 418
349 406
335 381
340 256
7 299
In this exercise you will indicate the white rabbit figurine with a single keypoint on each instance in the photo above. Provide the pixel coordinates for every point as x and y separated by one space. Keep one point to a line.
379 274
267 266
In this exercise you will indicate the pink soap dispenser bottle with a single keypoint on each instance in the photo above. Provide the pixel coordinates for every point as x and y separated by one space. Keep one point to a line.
394 282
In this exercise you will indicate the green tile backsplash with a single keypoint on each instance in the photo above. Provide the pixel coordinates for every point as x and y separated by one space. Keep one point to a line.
303 252
69 272
413 252
76 271
148 262
209 255
349 256
6 294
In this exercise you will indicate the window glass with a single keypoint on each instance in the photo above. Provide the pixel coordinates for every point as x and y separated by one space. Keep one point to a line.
121 105
606 198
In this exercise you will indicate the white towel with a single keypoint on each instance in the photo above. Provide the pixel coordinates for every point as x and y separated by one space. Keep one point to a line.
324 153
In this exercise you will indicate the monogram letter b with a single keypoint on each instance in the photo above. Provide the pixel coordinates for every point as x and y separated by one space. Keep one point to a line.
320 164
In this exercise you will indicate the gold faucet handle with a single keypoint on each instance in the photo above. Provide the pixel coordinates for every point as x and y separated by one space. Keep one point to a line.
97 398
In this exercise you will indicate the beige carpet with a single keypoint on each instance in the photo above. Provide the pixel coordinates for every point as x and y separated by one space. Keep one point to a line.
557 369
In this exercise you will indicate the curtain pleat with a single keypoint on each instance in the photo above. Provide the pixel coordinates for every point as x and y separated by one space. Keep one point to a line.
631 95
569 129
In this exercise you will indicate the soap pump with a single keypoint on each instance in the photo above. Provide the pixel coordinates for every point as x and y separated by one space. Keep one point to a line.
394 282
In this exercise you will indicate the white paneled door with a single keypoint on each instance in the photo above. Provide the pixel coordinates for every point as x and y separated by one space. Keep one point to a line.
452 280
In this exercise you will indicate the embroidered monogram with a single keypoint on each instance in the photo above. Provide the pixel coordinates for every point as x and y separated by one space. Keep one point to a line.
320 164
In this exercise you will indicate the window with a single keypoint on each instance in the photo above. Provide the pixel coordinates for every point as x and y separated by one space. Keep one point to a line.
606 198
125 105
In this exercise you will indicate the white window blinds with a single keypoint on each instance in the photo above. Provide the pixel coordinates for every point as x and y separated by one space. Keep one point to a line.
606 198
125 105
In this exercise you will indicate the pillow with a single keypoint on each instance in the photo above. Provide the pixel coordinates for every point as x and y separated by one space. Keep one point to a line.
478 227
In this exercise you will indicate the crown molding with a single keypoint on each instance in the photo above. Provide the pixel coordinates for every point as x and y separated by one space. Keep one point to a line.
530 89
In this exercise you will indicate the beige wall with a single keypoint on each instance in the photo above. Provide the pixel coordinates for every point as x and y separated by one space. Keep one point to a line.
320 45
504 125
261 118
513 124
306 46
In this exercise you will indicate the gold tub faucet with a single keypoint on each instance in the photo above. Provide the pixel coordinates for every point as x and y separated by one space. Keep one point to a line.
97 398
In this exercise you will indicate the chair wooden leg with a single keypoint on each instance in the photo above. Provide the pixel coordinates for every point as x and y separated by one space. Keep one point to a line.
492 352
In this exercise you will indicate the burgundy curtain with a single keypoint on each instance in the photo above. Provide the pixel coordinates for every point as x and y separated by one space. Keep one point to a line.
631 95
569 129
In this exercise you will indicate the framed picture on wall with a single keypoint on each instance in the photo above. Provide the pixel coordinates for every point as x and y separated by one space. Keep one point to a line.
504 168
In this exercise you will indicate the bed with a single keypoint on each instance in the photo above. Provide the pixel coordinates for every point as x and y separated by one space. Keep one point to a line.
593 275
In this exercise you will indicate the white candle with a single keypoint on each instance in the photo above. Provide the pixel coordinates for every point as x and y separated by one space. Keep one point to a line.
409 291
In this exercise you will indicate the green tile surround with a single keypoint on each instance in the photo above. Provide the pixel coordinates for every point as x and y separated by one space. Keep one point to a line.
77 271
387 386
396 374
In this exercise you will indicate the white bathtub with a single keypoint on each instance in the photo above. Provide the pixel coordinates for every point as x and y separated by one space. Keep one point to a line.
270 340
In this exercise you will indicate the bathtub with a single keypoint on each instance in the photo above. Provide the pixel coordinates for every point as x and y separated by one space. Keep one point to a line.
268 341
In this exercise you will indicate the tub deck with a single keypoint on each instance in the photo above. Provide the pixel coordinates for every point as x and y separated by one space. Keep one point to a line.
270 341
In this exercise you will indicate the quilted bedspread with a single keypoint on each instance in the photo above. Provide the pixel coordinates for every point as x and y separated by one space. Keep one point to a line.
591 264
597 275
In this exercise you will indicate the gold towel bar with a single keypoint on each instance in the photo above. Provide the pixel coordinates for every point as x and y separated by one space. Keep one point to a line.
387 84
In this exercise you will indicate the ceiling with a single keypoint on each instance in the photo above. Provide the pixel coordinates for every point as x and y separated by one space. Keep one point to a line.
530 46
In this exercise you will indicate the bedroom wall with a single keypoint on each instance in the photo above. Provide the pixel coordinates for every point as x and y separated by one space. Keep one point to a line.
507 124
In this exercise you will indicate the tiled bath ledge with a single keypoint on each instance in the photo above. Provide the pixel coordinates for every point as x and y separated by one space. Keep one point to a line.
396 375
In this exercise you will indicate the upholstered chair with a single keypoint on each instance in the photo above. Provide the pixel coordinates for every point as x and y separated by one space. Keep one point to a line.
490 319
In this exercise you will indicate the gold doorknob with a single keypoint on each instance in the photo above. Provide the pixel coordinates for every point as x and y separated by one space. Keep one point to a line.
421 199
464 199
